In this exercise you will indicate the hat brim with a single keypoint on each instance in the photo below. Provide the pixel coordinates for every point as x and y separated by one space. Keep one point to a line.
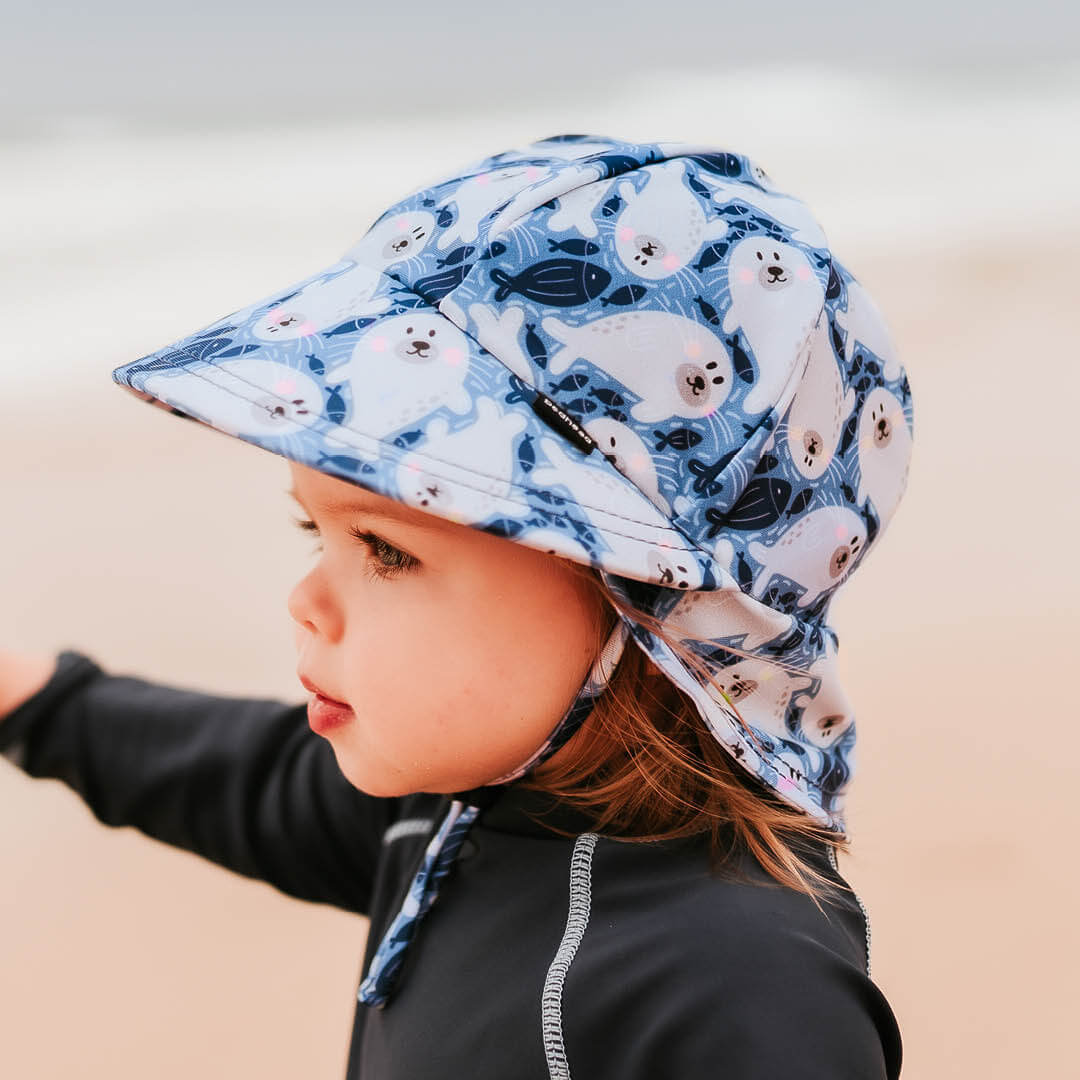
349 372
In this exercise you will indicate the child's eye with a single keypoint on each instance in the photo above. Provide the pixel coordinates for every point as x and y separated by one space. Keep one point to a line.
391 560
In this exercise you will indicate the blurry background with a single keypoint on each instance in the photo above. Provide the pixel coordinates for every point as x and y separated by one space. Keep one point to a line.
162 170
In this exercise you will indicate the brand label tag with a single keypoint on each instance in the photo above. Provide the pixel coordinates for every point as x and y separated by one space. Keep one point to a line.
558 419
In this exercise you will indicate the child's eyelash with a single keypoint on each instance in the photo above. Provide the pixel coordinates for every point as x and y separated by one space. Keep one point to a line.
399 561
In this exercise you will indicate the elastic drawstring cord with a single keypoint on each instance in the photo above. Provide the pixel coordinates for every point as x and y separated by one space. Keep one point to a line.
444 846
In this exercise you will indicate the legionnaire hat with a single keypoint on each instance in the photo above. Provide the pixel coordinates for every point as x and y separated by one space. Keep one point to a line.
643 357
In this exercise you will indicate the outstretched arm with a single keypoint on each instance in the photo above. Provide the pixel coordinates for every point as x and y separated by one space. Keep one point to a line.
242 782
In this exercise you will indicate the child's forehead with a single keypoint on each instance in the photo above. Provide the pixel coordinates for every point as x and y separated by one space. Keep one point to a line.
334 496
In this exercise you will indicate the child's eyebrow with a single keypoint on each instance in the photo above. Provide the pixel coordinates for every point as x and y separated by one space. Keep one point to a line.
403 516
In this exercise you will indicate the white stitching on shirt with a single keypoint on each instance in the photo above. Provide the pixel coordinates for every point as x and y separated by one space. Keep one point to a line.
577 920
413 826
862 908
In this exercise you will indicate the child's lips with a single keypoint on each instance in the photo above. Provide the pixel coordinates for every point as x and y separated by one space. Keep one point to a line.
324 714
315 689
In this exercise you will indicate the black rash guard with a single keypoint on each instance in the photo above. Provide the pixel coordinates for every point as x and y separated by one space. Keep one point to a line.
543 957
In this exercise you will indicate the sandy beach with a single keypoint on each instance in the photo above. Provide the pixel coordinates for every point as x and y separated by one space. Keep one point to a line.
163 550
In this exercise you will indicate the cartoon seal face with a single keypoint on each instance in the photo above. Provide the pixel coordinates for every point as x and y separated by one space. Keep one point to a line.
671 571
425 477
817 552
817 414
675 365
476 197
776 298
398 237
761 692
625 449
826 711
663 225
596 485
430 359
885 446
322 305
267 397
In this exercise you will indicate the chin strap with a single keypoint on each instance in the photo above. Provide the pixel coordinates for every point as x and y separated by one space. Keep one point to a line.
444 846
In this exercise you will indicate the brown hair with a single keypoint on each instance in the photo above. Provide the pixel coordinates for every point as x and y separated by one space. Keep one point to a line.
647 767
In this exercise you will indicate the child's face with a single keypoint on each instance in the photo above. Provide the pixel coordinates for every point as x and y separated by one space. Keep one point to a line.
457 665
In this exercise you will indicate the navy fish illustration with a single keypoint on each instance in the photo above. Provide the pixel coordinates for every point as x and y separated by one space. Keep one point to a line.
519 391
315 364
504 527
740 361
526 452
581 405
799 503
618 163
835 286
679 439
407 438
724 164
335 404
548 496
758 507
708 312
445 217
698 187
711 256
767 462
405 298
573 246
556 282
837 340
209 346
455 256
706 482
607 396
534 346
768 225
743 574
571 382
611 206
435 286
872 520
349 327
339 461
494 250
628 294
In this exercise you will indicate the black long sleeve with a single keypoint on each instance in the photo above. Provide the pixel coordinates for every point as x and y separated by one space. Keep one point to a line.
242 782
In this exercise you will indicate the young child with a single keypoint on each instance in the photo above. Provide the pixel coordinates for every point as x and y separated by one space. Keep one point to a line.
590 433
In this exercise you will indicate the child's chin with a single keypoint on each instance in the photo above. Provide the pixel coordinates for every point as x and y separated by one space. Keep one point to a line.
378 785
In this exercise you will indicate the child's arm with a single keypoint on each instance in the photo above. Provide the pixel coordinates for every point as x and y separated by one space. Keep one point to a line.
242 782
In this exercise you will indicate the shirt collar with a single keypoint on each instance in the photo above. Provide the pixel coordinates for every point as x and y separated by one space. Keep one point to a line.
512 808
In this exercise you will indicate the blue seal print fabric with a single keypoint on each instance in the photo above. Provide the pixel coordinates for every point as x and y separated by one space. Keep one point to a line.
640 356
